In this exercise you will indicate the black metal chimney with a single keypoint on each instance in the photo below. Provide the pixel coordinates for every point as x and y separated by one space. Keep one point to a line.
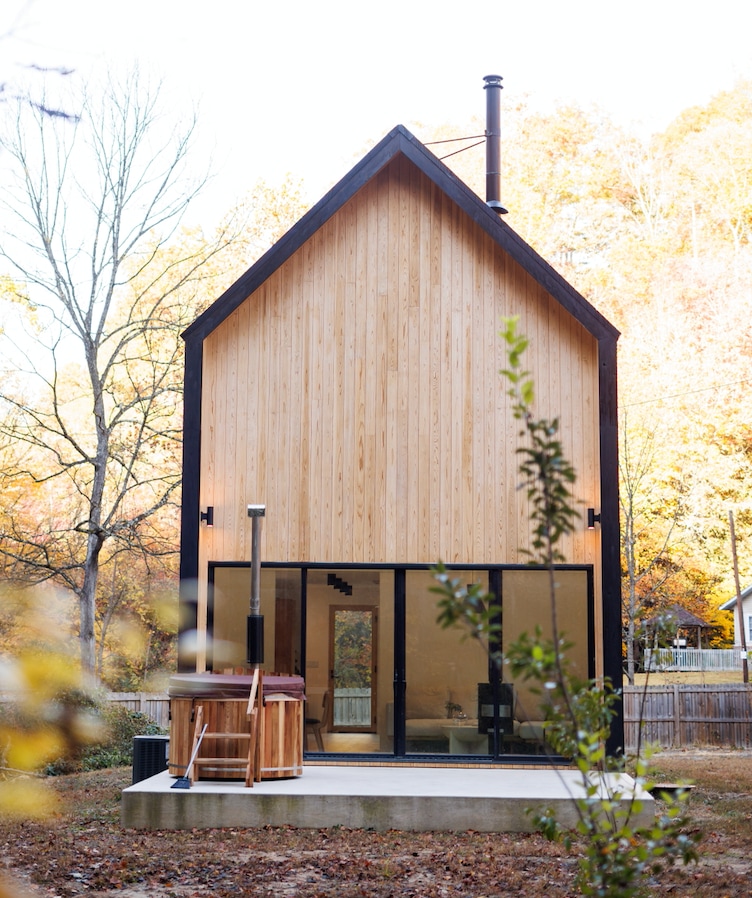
255 625
493 143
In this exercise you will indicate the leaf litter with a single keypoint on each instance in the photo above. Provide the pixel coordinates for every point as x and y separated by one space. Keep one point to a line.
85 851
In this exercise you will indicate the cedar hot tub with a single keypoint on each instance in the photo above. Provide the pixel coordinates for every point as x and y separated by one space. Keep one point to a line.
224 698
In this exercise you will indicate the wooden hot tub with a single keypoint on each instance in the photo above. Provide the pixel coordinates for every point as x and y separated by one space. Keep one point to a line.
224 698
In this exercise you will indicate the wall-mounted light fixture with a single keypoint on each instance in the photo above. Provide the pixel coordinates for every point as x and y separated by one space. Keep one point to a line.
592 518
207 517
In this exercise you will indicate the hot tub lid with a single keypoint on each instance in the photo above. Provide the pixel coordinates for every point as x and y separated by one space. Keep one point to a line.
210 685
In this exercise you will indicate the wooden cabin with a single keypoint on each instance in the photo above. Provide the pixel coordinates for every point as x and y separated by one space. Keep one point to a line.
349 383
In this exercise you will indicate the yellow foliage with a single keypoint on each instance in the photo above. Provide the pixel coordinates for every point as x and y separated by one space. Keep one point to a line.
32 749
45 675
44 721
26 798
166 612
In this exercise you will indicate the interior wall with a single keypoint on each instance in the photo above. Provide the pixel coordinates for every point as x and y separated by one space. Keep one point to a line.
526 603
442 665
232 599
374 588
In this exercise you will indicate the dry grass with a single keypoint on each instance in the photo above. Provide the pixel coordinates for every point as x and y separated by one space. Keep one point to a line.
705 678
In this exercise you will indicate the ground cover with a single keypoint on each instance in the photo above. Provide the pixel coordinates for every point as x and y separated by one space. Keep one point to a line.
84 851
700 677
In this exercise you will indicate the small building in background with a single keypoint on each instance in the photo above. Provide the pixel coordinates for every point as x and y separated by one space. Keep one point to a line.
731 605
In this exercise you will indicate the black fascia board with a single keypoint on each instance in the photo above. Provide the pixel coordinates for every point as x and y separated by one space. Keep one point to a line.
610 533
189 508
301 231
400 141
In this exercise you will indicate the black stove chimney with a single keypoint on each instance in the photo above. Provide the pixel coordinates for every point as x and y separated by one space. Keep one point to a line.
493 143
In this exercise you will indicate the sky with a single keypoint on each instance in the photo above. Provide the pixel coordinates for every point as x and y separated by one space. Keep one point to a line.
307 87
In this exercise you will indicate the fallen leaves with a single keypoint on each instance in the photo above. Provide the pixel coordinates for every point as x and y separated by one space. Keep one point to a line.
84 851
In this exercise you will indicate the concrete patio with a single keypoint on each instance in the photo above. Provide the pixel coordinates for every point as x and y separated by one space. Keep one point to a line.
366 797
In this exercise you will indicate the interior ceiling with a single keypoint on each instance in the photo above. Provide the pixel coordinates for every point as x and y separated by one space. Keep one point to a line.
319 576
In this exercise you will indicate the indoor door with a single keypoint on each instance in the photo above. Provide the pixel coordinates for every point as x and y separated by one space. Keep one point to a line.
352 668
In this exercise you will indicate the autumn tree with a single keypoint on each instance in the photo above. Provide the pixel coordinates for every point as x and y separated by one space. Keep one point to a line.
93 210
655 232
551 165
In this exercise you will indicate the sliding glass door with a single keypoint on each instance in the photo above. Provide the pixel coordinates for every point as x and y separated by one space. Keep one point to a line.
382 677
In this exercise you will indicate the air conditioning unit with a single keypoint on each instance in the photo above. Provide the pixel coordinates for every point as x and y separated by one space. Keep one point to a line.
150 756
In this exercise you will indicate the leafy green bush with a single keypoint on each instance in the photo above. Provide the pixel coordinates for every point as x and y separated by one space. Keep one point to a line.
115 747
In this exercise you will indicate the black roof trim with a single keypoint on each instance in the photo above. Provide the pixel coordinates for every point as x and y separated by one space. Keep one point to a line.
400 141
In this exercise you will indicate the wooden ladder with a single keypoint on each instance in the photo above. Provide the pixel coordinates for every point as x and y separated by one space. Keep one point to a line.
251 761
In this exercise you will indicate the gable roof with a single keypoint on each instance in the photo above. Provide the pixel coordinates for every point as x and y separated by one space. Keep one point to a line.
401 144
684 619
399 141
730 604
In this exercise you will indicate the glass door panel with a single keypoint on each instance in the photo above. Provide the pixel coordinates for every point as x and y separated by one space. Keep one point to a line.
350 658
445 675
526 603
229 606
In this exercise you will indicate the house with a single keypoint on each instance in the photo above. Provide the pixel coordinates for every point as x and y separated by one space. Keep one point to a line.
731 605
349 384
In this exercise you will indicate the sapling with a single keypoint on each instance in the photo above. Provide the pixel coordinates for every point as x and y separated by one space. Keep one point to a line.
618 852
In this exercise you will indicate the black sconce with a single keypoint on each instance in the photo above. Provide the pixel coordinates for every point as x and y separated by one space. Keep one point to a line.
207 517
592 518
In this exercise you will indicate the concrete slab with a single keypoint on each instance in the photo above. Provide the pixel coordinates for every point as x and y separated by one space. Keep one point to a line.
378 798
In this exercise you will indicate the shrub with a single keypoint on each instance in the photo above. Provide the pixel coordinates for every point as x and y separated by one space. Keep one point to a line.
115 747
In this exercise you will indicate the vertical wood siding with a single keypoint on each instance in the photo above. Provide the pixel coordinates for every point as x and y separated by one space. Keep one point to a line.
357 393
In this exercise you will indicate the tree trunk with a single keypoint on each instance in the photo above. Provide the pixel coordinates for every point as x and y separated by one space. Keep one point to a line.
88 606
88 596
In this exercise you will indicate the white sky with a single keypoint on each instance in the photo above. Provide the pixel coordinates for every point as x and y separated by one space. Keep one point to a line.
307 87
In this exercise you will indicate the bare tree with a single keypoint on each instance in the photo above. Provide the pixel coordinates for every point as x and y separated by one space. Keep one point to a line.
647 527
93 213
20 77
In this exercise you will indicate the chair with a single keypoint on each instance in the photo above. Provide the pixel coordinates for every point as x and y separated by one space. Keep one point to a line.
314 725
250 762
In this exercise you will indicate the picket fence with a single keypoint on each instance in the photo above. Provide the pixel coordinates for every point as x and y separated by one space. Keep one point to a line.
693 659
670 716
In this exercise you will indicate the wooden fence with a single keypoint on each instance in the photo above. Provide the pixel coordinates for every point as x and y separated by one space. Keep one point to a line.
352 707
670 716
155 705
688 715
